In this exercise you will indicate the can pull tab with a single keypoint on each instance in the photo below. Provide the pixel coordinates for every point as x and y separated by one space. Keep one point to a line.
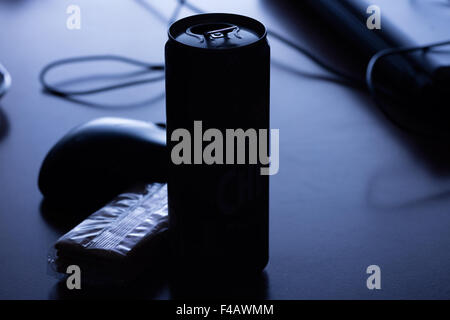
220 33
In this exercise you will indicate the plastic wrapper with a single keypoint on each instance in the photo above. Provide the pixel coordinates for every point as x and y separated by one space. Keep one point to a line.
118 242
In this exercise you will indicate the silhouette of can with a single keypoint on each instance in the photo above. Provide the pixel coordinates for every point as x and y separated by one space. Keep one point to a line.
217 82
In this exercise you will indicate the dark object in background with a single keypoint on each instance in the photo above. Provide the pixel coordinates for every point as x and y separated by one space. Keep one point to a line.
120 241
414 87
5 80
96 161
218 72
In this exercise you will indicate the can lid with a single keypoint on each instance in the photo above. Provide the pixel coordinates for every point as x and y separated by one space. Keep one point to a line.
217 31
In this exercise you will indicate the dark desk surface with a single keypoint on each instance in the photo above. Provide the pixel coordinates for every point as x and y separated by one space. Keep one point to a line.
352 190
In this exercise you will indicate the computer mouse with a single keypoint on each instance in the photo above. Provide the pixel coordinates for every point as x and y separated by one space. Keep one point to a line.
98 160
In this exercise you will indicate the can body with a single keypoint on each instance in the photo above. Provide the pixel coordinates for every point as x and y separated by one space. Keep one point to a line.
218 213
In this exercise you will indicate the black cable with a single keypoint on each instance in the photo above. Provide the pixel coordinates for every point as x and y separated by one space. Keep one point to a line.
351 80
392 51
176 12
65 93
347 78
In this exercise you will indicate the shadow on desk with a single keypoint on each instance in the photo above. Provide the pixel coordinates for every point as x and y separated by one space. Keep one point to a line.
4 125
220 287
153 284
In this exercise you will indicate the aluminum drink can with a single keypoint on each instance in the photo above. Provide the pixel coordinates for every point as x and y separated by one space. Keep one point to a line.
218 78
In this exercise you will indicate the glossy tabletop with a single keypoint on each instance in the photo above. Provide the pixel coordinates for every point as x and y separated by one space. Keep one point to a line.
352 191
